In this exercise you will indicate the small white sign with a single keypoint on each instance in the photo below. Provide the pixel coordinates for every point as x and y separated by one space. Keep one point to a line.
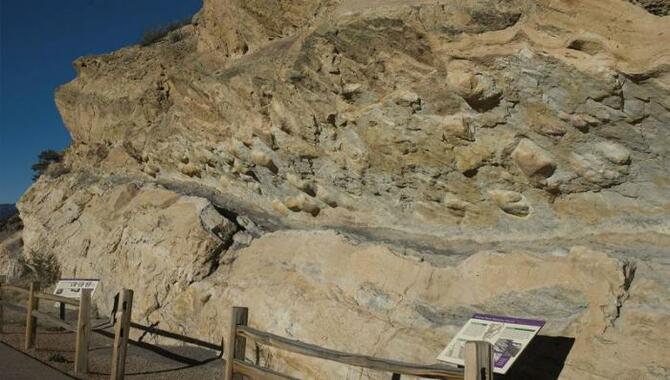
71 287
509 337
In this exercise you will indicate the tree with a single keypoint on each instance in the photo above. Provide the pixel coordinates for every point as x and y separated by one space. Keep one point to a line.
153 35
46 158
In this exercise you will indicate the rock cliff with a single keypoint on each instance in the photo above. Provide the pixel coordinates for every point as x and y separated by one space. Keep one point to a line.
11 244
364 175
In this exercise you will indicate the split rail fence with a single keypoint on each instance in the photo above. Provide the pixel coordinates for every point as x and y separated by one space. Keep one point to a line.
82 329
478 355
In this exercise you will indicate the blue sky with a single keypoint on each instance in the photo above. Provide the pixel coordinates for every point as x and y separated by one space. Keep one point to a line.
39 41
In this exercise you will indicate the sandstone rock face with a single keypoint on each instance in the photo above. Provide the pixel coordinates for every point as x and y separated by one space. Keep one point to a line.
457 156
155 239
11 247
393 305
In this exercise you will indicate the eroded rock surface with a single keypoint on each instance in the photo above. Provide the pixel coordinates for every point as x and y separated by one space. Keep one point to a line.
11 246
502 156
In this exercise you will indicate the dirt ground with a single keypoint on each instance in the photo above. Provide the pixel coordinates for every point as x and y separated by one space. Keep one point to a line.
55 348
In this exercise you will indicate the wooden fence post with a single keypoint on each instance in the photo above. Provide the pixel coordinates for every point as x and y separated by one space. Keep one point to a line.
83 333
121 332
478 357
3 278
31 321
236 345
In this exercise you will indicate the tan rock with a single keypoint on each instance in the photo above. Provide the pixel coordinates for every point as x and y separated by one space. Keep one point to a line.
456 125
533 161
478 88
327 196
190 169
240 167
151 169
302 203
155 241
471 157
456 206
300 184
261 158
351 89
616 153
407 99
280 207
510 202
461 78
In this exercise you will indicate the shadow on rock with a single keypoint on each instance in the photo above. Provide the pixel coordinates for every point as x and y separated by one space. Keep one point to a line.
543 359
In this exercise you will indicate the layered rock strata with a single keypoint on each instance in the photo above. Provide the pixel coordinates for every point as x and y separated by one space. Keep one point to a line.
364 175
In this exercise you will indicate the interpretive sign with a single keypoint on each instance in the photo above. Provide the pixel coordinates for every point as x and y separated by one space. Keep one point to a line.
71 287
509 337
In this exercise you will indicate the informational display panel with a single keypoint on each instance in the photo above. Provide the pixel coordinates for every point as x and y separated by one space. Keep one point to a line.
71 287
509 337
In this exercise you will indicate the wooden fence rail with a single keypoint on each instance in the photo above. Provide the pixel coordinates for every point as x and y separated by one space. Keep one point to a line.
478 355
153 330
478 358
82 329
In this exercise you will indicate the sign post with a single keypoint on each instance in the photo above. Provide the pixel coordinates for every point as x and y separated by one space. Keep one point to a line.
73 288
83 333
478 358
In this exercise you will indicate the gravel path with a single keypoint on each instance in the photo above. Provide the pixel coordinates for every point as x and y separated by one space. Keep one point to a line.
15 365
56 348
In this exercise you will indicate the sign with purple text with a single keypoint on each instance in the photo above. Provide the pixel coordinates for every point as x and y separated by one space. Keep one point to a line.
509 337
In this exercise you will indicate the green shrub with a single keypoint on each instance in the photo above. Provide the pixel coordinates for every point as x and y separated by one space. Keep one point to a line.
45 159
41 267
153 35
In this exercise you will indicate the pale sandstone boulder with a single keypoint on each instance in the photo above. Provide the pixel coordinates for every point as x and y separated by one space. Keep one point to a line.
533 161
510 202
616 153
302 202
476 87
144 229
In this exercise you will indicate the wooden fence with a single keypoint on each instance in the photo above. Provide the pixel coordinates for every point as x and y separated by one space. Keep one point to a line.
478 357
82 328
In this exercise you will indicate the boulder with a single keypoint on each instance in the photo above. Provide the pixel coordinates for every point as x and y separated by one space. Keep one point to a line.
510 202
534 161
